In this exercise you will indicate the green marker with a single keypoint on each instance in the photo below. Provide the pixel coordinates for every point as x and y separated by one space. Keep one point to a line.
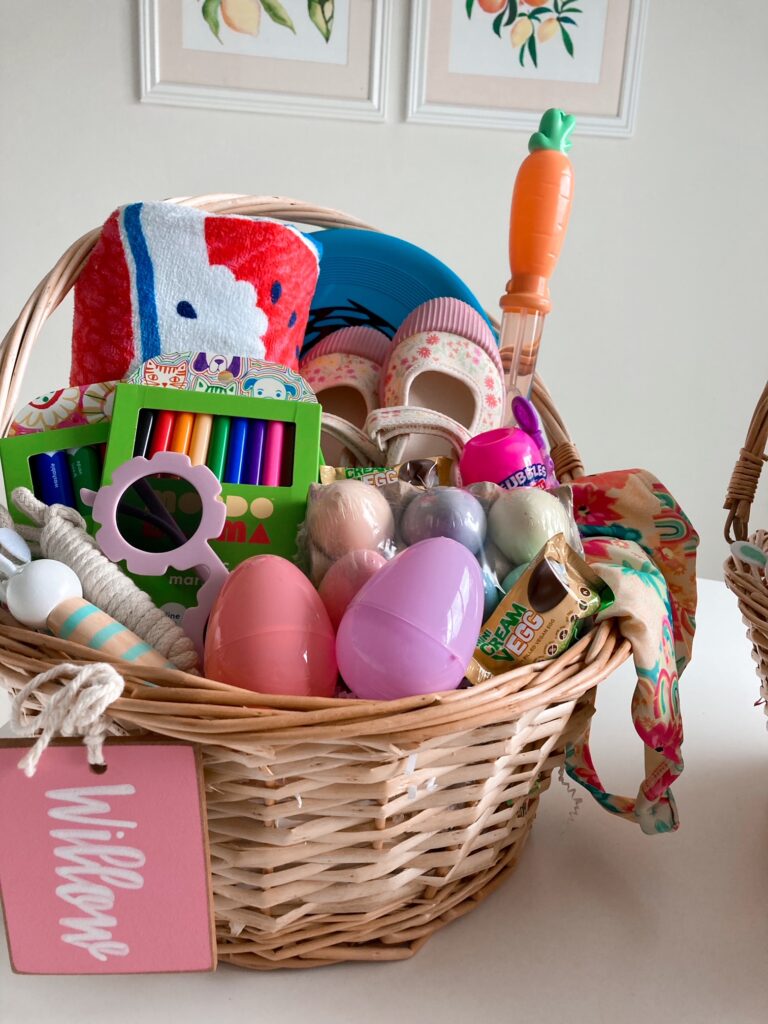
85 469
217 449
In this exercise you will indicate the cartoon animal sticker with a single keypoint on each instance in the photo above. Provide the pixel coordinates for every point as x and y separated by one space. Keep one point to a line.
219 373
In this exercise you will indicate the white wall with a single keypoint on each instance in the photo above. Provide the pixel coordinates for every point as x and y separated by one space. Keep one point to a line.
659 294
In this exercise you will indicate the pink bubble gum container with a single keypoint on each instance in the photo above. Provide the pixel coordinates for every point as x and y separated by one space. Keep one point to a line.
508 457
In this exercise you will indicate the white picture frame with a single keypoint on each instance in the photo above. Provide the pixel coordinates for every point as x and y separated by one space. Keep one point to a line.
517 103
172 74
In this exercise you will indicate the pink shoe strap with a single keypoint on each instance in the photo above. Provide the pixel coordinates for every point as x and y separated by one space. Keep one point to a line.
390 430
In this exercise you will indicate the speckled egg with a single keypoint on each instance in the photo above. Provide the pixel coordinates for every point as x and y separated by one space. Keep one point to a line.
346 516
445 512
522 520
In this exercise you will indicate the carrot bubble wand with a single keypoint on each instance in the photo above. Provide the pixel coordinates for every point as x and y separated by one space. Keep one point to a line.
541 206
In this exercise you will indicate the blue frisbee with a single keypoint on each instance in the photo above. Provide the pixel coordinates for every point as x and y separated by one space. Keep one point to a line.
369 279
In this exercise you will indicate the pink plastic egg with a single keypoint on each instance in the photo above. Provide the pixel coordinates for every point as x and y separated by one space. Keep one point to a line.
269 631
345 578
413 627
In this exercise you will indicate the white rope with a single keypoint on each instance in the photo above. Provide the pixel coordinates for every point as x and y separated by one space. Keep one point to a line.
60 533
75 709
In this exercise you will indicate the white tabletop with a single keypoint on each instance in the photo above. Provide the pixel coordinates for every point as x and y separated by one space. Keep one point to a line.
598 924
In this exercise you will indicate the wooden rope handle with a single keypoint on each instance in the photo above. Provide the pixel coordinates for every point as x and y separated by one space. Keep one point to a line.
565 454
746 473
18 343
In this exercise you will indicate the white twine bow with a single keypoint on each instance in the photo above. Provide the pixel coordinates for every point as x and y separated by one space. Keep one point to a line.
75 709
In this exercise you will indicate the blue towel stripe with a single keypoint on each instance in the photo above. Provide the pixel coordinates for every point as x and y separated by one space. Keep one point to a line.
72 621
145 282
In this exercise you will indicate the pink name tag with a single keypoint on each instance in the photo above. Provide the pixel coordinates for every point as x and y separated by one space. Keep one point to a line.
105 873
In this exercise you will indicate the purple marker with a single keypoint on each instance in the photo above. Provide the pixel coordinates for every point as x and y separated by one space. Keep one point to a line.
273 454
254 452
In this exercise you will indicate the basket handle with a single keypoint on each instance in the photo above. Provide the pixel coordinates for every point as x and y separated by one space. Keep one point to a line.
16 347
565 454
746 473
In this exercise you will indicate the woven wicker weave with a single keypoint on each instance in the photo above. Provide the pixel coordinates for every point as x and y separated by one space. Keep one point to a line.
747 581
343 829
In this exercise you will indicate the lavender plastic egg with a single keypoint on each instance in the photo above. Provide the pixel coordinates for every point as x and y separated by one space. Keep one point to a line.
445 512
413 627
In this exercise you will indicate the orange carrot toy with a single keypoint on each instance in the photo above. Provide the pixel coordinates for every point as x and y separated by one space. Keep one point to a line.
541 205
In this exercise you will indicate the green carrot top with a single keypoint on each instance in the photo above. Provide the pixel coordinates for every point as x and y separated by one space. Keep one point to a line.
555 128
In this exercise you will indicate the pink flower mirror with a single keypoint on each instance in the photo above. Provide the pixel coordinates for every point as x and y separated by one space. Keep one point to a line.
136 526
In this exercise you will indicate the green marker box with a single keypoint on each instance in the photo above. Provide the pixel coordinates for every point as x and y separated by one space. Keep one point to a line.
260 520
15 453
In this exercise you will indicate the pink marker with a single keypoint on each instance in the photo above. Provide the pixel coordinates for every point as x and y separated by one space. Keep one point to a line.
273 454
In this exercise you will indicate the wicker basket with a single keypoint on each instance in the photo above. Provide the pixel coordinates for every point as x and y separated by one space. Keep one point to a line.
339 829
748 581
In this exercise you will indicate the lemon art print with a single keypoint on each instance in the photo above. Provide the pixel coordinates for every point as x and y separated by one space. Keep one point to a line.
529 25
313 58
498 63
244 16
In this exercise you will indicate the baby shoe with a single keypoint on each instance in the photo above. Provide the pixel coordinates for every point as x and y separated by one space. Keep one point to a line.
343 370
443 359
402 434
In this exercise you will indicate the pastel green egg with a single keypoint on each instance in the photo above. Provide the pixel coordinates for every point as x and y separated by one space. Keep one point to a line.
511 578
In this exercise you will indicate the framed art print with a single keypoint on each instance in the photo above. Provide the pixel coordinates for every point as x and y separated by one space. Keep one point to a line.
311 57
499 63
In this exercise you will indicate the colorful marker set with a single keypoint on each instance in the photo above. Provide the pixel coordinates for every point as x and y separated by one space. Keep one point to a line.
258 452
238 450
56 464
265 452
58 476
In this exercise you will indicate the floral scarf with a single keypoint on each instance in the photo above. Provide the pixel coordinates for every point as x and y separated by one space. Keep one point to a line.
641 542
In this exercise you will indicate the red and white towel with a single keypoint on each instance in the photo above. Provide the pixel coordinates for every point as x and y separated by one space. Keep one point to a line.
166 278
